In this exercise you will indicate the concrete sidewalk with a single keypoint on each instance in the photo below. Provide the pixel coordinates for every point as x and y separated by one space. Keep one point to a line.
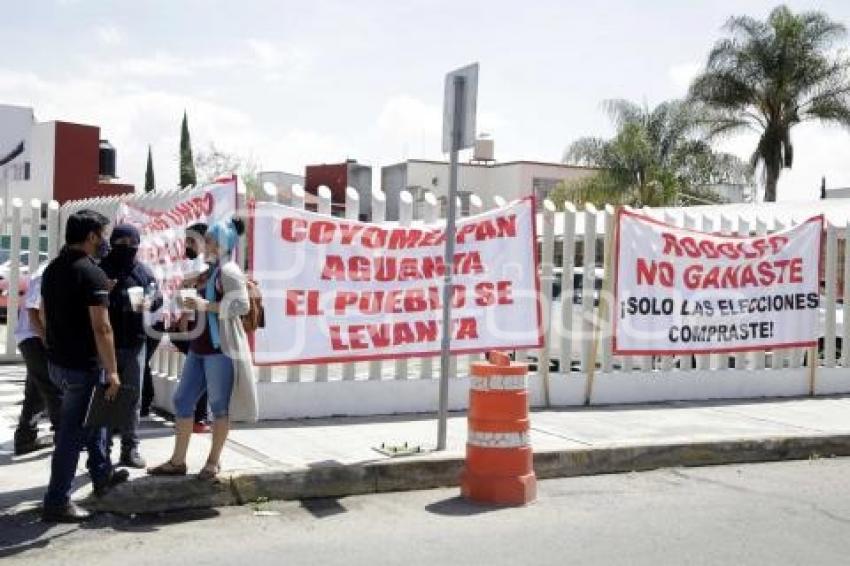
337 457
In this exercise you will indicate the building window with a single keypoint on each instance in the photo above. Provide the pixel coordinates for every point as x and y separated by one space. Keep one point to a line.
26 170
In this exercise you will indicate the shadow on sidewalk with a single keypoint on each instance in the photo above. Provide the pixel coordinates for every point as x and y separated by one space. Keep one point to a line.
460 507
32 495
10 458
323 507
24 531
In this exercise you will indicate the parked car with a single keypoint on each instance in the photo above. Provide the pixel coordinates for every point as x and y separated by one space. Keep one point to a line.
24 262
23 283
23 280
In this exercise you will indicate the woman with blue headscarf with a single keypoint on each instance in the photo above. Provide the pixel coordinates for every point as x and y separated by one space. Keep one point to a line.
219 361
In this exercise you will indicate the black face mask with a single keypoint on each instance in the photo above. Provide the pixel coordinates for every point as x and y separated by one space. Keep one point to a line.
124 255
191 253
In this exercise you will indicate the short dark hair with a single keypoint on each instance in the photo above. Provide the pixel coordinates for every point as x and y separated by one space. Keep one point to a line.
198 228
82 223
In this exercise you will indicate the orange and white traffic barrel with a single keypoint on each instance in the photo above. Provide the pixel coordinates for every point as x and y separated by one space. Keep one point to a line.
499 460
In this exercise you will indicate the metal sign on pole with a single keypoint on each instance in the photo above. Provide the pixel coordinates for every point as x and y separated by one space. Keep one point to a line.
461 93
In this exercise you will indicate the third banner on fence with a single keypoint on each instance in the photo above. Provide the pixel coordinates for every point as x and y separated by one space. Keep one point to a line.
680 291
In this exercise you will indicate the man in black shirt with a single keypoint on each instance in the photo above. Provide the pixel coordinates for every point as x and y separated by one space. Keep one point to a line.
81 352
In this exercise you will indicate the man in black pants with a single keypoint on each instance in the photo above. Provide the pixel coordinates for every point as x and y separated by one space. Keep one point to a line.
194 250
39 392
81 356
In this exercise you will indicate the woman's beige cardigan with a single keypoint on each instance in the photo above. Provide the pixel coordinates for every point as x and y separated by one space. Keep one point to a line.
234 343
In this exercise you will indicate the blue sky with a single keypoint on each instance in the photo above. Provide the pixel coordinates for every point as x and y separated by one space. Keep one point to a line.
292 83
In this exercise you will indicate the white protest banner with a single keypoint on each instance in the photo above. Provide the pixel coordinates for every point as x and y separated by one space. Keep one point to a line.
163 229
337 290
679 291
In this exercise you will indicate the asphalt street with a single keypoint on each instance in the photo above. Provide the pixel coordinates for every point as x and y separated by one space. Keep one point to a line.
782 513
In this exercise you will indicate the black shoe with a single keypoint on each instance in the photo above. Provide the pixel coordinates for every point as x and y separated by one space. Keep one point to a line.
145 411
34 446
117 477
131 459
70 513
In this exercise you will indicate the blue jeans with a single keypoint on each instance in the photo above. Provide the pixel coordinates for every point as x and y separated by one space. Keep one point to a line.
77 387
131 363
211 373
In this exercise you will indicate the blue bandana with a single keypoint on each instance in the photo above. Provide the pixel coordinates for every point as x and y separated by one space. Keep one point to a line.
224 233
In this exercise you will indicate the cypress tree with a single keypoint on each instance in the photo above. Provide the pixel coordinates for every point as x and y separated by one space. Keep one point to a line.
187 165
150 184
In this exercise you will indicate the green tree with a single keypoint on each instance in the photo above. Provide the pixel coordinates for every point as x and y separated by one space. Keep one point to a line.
656 158
768 76
150 183
187 164
212 163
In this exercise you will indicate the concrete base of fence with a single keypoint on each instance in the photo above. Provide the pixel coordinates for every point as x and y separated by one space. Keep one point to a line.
309 399
151 495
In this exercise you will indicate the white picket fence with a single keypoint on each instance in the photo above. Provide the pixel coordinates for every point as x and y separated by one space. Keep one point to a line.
566 239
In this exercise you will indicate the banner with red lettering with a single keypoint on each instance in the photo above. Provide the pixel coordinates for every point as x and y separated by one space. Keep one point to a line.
163 225
679 291
337 290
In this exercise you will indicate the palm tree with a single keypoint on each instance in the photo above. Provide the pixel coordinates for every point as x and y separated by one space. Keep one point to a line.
656 158
769 76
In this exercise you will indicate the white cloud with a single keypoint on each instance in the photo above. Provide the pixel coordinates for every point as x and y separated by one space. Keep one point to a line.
132 117
410 126
682 74
267 54
159 65
274 61
109 35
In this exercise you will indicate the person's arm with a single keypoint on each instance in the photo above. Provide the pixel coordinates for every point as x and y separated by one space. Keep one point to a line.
32 306
36 322
42 317
97 288
105 342
235 302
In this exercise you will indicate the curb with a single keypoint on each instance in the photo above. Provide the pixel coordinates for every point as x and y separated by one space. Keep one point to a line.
157 495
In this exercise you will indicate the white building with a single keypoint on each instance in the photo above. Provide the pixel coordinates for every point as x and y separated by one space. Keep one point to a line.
53 160
510 180
19 135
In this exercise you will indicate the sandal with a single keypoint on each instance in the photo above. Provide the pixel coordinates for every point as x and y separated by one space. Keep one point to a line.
209 472
169 468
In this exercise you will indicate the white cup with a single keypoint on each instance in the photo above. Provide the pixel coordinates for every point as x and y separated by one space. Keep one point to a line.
137 297
188 294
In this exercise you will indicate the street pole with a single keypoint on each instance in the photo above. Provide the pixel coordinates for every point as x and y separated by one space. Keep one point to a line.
442 424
